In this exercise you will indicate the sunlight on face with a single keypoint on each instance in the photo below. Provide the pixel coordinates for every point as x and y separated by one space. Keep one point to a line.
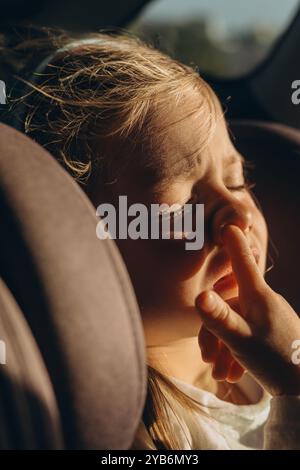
167 278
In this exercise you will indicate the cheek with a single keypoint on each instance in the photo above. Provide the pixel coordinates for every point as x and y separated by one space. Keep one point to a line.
160 260
175 261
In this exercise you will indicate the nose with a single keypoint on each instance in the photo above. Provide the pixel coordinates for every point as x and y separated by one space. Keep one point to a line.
232 211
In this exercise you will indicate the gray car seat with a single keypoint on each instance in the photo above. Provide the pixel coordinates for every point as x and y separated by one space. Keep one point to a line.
75 373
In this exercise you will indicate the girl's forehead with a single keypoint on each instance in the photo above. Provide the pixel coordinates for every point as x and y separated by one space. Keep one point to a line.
183 141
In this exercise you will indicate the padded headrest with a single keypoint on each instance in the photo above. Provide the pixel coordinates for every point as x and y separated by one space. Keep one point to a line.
75 294
275 151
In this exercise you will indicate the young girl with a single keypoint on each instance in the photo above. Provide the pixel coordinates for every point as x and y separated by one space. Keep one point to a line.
125 119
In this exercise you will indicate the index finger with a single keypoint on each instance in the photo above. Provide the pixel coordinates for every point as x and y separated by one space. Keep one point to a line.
244 265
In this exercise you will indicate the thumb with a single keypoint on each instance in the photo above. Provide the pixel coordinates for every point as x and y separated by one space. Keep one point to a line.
221 320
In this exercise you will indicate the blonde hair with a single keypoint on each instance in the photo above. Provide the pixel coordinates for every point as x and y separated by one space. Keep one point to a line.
109 87
162 391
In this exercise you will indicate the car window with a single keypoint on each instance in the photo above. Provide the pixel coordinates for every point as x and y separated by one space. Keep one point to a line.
224 38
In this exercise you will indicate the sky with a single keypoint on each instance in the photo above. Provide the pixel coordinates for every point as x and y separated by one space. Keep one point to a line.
235 14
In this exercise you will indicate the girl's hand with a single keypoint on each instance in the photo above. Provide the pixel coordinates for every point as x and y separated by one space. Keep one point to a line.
259 333
213 350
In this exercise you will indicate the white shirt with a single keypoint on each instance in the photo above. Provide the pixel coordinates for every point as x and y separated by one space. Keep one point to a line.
268 423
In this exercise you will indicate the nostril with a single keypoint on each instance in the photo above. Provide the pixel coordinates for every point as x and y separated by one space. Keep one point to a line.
231 214
241 217
241 224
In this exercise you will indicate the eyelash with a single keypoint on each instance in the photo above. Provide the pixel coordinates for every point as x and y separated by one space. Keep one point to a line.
245 186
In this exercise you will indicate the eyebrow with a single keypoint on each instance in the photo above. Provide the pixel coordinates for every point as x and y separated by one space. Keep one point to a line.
181 167
160 178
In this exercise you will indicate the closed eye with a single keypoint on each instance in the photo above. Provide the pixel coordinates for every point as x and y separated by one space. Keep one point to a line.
241 187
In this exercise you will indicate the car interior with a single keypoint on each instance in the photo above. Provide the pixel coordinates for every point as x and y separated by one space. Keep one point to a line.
76 376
